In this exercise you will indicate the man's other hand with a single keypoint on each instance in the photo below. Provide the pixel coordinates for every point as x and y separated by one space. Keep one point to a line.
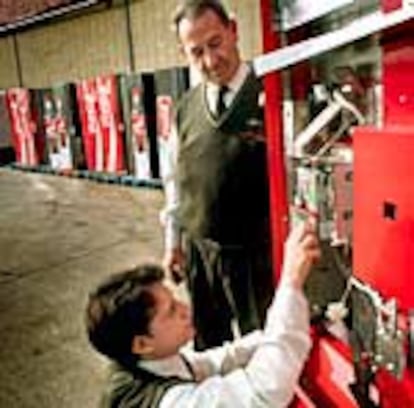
173 264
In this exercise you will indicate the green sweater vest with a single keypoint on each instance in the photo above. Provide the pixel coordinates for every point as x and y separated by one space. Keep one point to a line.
222 172
136 388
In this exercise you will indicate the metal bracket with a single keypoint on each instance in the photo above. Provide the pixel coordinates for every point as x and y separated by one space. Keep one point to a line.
360 28
377 334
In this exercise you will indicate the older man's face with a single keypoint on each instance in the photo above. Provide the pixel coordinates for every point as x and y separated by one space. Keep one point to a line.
210 46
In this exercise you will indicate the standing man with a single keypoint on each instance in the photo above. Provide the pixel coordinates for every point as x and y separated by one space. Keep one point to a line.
217 207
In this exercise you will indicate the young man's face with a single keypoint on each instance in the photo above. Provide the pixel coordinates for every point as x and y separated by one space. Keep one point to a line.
171 327
210 46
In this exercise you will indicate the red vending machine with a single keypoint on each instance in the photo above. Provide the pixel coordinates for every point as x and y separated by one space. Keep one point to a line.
61 126
138 113
101 124
359 62
170 84
28 139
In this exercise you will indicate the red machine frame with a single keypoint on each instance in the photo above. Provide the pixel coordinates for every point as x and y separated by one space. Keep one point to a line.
330 367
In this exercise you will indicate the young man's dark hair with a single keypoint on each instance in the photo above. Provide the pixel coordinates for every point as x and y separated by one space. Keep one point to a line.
192 9
121 308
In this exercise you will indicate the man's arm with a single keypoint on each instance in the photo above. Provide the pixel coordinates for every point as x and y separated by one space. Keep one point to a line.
173 260
269 377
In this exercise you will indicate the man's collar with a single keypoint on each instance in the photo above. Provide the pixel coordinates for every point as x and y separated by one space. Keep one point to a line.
236 82
239 77
166 367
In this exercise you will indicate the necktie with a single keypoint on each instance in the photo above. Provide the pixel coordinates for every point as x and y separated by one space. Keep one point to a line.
221 106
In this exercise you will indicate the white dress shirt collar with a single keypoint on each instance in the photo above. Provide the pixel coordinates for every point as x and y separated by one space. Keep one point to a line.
166 367
239 77
233 85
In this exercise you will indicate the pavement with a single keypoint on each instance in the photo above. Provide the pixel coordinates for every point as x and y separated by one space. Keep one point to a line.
58 238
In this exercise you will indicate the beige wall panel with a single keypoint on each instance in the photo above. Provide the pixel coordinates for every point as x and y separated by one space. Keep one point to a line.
97 43
247 13
154 38
78 48
154 41
8 70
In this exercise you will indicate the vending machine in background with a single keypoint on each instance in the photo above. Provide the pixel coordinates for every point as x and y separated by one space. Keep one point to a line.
61 126
28 139
7 154
138 112
170 84
101 124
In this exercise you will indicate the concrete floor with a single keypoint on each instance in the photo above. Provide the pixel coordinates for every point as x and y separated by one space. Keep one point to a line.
58 238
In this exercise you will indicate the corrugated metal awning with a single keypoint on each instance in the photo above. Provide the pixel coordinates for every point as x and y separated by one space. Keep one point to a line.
18 14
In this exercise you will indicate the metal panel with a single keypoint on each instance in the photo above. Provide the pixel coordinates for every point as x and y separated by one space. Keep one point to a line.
398 68
356 30
298 12
384 212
